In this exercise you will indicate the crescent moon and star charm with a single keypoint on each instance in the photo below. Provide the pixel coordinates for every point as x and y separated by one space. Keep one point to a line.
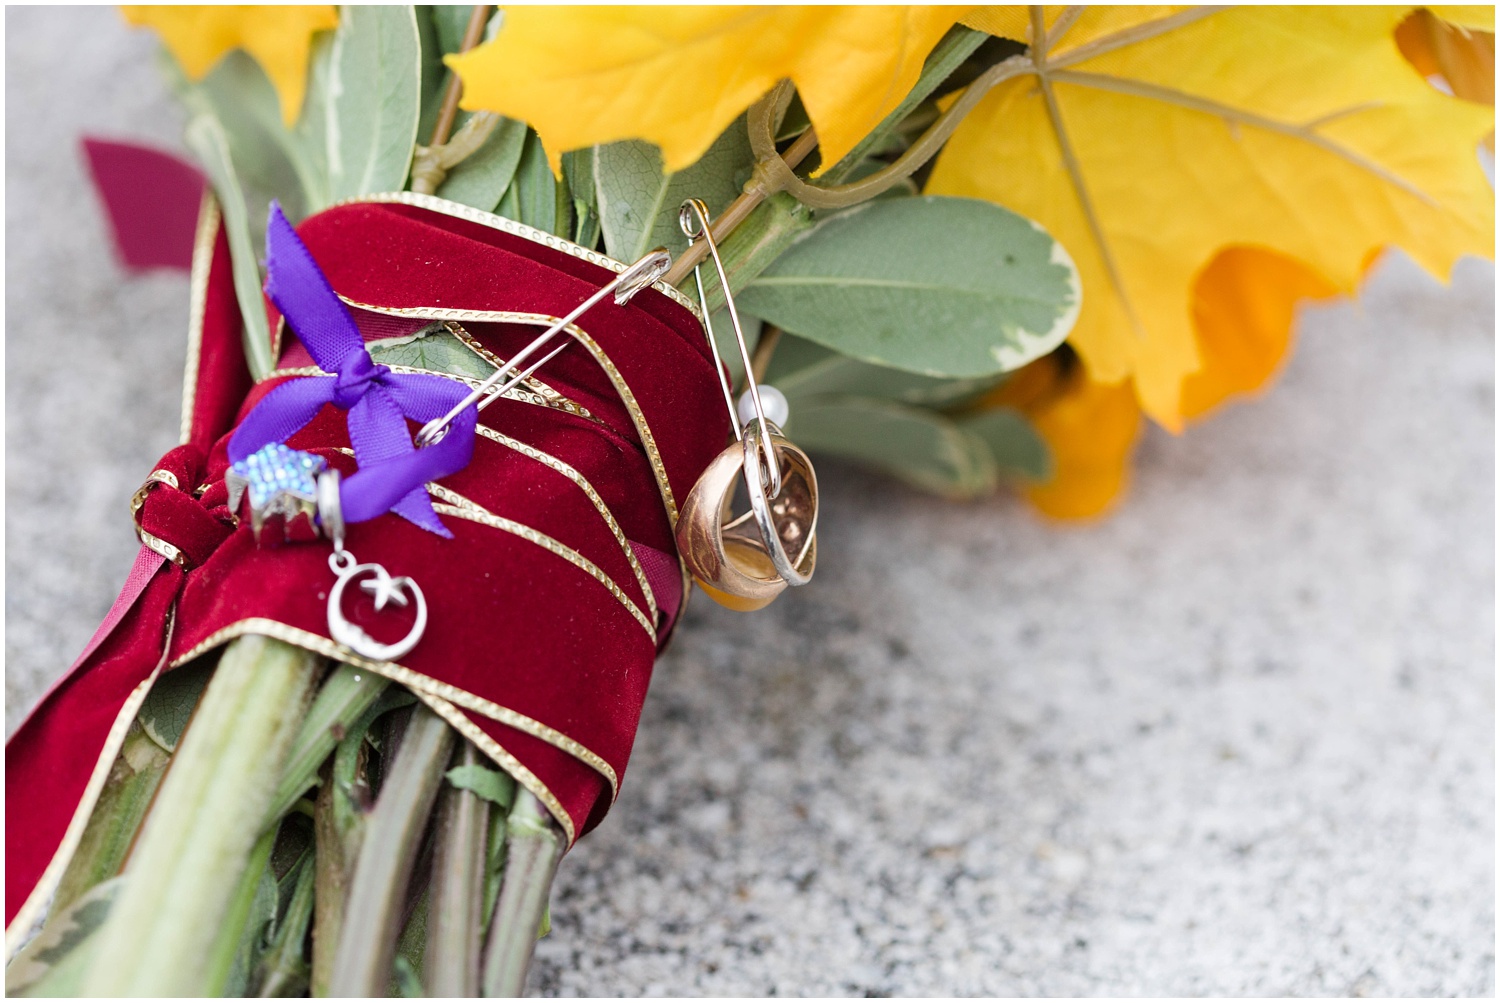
374 579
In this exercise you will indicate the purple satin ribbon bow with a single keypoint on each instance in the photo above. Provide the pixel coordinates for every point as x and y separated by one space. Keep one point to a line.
392 471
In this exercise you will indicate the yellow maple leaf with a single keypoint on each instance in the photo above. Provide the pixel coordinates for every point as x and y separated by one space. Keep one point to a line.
1090 429
1149 144
1244 305
279 38
678 76
1461 55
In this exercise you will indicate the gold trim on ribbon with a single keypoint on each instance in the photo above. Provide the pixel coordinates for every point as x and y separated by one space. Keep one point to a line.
463 508
411 679
627 397
203 259
487 219
517 769
554 398
294 371
588 489
46 885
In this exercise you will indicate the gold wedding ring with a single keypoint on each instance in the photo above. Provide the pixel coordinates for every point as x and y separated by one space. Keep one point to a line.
729 557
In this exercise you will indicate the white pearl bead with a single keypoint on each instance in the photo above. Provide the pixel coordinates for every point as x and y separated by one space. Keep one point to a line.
771 399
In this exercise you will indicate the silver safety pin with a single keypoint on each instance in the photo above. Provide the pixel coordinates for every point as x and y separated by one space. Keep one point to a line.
694 231
624 286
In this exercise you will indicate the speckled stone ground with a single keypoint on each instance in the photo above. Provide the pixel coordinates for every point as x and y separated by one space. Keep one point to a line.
1238 739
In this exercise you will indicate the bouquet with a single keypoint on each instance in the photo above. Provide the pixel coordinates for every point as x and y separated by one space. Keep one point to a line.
345 816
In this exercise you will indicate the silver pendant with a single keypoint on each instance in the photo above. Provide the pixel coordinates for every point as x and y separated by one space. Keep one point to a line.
386 590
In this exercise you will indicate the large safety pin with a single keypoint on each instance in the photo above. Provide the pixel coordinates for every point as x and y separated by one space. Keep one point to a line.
685 214
624 286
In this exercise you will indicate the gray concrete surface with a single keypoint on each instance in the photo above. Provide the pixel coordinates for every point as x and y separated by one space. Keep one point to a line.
1238 739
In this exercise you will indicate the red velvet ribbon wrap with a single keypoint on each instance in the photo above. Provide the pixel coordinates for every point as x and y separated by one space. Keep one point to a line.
540 639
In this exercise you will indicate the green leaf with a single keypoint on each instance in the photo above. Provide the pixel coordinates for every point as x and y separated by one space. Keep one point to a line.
918 446
532 195
434 73
112 826
268 159
254 920
490 784
578 171
1018 449
310 134
801 369
451 21
205 137
374 99
482 177
956 46
284 970
432 348
53 964
942 286
166 710
345 695
638 203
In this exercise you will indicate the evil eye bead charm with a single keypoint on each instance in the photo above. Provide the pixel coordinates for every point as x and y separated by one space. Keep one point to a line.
280 486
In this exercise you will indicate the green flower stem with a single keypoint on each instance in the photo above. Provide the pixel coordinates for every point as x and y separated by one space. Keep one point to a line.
534 845
339 816
336 837
117 816
344 697
750 249
458 878
227 947
196 842
285 971
735 213
373 913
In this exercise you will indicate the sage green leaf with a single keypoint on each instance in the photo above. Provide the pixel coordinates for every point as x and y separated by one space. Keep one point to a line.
941 286
1018 449
268 159
434 73
374 99
434 349
166 710
801 369
259 919
450 22
956 46
205 137
531 197
112 826
492 785
578 171
55 961
284 970
482 177
638 202
918 446
310 134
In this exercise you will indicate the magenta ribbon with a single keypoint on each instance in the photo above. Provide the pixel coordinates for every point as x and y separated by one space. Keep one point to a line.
392 471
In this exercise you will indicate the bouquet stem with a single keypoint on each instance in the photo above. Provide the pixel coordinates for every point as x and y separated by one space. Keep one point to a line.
458 878
533 847
373 913
196 843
